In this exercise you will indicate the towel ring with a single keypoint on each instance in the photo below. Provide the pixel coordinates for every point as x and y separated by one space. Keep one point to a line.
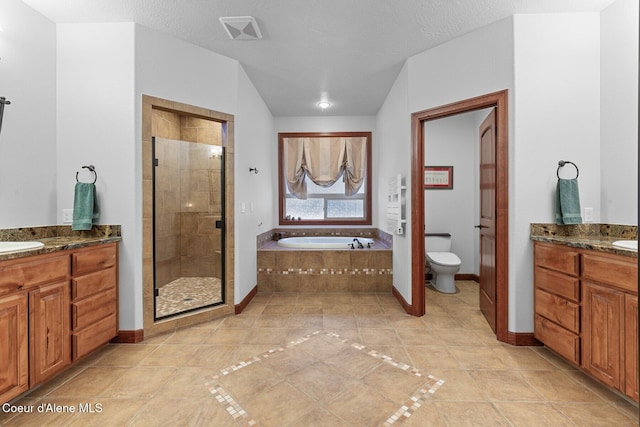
92 169
561 163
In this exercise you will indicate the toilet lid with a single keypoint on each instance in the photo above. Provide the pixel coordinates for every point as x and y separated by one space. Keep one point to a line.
444 258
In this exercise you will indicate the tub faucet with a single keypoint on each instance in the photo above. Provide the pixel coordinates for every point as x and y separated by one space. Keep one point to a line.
360 246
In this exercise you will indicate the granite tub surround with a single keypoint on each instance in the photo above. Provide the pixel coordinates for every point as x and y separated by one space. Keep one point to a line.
58 238
268 240
596 237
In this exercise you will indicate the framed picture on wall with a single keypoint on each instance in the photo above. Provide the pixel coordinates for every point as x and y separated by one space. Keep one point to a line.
438 177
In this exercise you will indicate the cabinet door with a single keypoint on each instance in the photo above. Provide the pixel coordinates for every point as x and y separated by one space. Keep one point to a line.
50 333
14 353
602 323
631 345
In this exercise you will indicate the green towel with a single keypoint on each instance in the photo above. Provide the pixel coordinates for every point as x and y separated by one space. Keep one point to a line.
568 202
85 208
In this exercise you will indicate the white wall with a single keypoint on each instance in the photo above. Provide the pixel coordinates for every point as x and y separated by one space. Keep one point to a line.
324 124
553 83
255 148
96 118
556 113
28 136
619 112
393 131
453 141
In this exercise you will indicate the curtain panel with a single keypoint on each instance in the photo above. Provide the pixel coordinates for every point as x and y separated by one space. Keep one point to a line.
324 161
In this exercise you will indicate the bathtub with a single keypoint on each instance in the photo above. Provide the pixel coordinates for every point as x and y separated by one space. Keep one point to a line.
323 242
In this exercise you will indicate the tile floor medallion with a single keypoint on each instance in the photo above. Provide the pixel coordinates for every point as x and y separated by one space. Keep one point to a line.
321 379
186 293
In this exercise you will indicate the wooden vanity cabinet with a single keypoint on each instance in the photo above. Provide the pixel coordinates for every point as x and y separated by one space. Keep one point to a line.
54 309
557 300
49 331
94 298
34 301
586 310
14 351
631 346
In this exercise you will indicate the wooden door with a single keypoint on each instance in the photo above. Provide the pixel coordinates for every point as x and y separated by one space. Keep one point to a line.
50 331
14 351
631 345
602 323
488 219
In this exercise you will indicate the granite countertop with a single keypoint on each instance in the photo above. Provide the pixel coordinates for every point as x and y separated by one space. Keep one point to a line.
596 237
58 238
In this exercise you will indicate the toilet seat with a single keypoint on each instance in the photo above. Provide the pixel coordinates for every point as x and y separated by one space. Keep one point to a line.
444 258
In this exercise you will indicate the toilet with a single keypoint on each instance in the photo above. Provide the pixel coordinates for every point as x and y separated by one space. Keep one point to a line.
444 264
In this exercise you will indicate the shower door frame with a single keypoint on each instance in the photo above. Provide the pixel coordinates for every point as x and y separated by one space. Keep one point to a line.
153 109
219 224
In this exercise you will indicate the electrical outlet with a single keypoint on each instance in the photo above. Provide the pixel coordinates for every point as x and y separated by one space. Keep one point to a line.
588 214
67 216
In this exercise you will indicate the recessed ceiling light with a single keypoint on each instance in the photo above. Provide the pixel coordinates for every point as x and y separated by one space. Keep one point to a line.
241 27
324 105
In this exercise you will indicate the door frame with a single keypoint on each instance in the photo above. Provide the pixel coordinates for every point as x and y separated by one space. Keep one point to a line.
498 100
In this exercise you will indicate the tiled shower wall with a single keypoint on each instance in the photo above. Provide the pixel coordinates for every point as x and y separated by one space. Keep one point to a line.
189 200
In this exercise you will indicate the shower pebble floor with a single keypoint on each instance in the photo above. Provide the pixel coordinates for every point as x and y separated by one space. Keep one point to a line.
186 293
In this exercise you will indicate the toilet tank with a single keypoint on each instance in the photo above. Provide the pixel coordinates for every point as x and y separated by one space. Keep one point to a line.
437 242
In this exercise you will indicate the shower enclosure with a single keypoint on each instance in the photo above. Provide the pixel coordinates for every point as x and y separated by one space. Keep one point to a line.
188 216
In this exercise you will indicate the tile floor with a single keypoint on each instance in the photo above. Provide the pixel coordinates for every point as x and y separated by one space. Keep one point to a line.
328 360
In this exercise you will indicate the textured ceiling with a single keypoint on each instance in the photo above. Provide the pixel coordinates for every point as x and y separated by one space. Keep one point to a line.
349 51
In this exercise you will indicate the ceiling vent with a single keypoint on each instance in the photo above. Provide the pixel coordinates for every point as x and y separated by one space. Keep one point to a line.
241 27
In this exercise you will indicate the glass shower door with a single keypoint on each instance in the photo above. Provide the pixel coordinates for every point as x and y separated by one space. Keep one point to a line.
188 213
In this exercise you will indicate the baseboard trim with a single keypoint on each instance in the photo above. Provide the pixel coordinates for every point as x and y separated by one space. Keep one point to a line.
522 339
405 305
129 337
467 276
245 302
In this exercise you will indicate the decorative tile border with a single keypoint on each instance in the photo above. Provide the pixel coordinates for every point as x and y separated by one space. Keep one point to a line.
431 385
329 271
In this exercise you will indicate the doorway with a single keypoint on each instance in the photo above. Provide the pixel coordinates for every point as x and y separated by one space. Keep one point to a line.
497 100
176 121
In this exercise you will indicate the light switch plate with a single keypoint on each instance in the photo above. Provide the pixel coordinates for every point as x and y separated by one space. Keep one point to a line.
67 216
588 214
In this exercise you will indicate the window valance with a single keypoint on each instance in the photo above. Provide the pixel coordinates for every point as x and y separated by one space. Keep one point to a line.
324 160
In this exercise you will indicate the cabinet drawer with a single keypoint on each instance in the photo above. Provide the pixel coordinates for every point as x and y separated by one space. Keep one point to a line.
94 259
90 284
93 337
617 271
557 309
89 310
27 274
558 339
557 283
559 258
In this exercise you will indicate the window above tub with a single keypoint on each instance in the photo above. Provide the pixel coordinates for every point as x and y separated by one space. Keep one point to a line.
324 178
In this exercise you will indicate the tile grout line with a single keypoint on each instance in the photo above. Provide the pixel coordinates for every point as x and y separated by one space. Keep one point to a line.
413 403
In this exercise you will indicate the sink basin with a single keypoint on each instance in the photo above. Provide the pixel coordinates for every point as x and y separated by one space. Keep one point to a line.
627 244
6 247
